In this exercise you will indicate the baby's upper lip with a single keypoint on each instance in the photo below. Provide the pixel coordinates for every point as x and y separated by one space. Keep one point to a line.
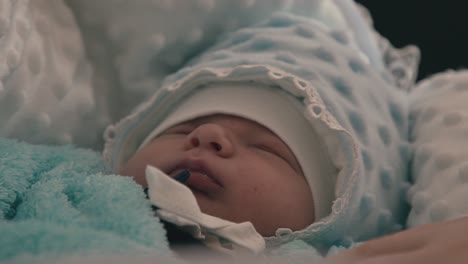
196 165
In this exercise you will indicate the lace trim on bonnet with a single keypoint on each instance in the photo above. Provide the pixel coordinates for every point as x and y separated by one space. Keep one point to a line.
340 144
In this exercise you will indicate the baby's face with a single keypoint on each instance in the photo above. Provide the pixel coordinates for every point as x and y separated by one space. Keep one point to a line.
240 171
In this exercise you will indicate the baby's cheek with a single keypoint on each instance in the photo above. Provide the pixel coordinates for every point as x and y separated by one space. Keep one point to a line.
136 167
134 171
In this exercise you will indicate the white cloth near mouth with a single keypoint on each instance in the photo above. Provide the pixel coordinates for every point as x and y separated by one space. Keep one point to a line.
178 206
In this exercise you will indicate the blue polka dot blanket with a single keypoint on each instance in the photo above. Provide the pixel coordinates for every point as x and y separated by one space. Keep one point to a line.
391 140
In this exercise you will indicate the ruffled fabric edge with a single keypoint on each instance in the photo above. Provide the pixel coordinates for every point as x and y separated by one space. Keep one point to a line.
401 64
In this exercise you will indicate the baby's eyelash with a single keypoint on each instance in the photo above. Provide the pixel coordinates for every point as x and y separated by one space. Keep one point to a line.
268 149
183 132
179 130
264 148
272 152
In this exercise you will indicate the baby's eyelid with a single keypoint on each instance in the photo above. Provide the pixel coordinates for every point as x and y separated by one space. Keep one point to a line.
270 149
276 153
179 129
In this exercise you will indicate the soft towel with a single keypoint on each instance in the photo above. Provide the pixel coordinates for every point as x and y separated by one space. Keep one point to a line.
59 201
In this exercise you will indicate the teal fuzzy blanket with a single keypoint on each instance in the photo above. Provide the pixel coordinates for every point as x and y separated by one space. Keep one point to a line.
58 201
59 204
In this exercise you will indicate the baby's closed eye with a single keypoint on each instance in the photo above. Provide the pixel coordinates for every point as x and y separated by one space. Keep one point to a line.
274 147
266 148
272 150
182 129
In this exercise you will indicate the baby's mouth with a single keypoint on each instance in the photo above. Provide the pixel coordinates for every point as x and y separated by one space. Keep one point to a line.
197 180
182 176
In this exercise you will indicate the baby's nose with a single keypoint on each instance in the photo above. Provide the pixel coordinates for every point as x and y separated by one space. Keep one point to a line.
212 137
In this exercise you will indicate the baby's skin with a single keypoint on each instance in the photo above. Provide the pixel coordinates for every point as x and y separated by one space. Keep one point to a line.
239 171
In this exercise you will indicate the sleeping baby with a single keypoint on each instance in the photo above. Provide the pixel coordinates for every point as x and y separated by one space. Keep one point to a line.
289 133
285 125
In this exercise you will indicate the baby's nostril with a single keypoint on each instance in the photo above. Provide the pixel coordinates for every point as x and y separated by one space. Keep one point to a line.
195 142
216 146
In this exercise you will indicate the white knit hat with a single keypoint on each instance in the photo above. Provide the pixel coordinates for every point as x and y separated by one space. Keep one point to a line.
274 109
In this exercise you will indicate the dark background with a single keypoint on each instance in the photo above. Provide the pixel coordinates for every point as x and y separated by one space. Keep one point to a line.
439 28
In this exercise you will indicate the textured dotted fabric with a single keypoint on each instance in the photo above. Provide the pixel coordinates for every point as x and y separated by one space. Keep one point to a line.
135 45
70 68
317 58
439 114
46 93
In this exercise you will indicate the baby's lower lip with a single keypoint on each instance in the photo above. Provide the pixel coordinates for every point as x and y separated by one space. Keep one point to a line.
201 182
